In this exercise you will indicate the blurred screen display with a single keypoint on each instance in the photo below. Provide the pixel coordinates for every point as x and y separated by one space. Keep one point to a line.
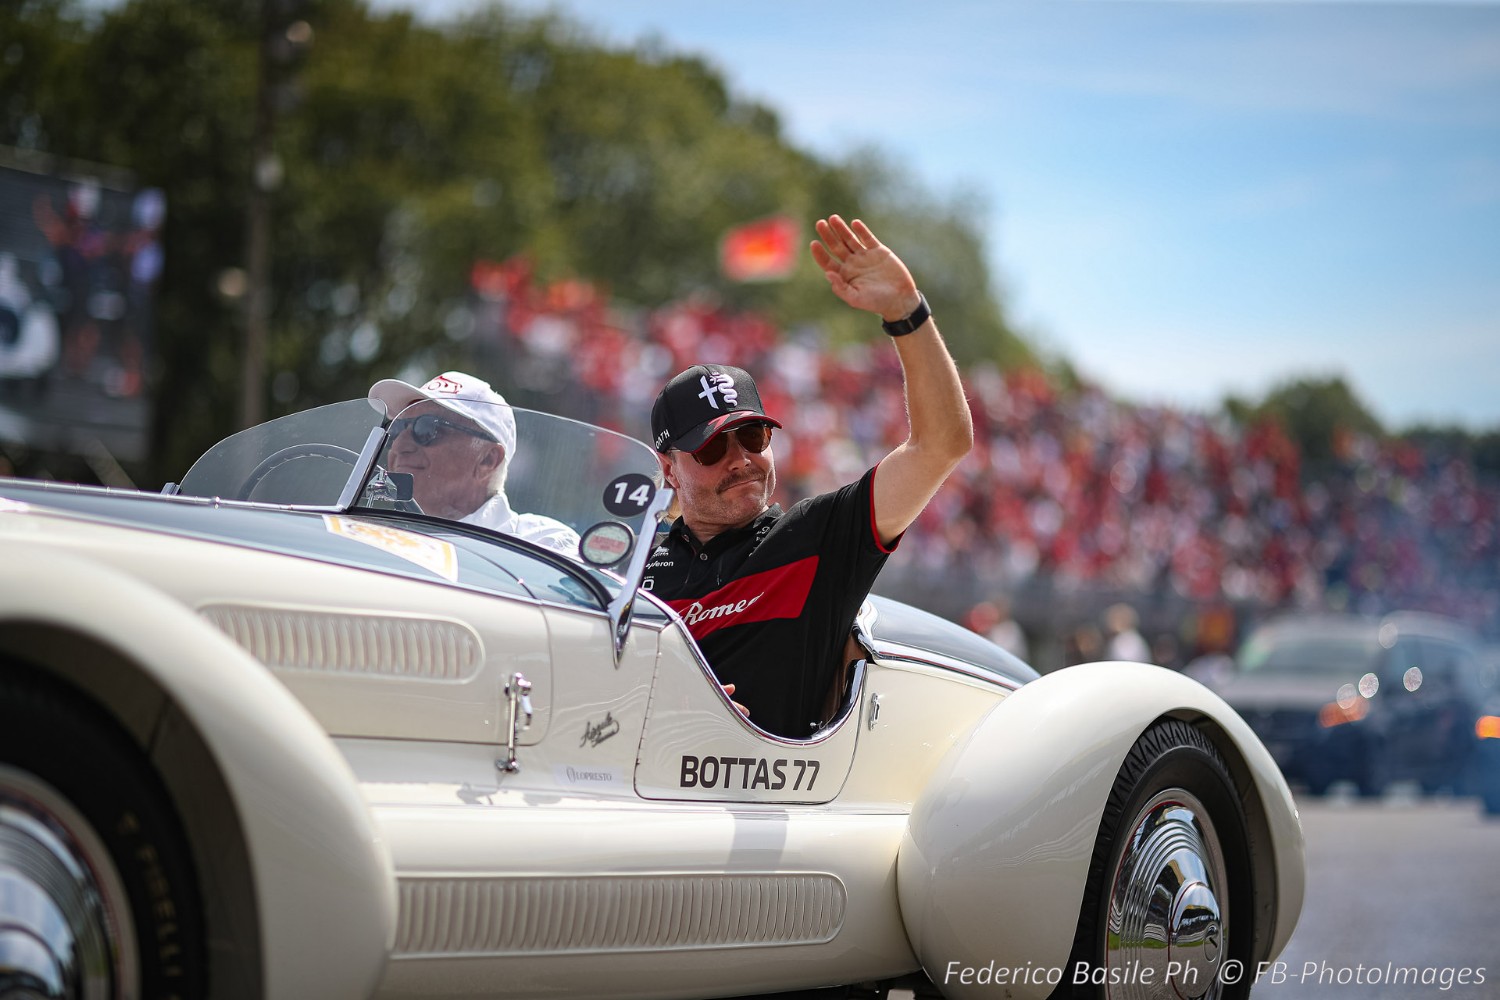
80 257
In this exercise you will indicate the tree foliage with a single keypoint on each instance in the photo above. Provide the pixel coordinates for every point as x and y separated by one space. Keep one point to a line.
1314 411
409 150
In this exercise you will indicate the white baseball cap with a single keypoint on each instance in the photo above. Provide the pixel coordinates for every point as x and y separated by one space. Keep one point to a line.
463 394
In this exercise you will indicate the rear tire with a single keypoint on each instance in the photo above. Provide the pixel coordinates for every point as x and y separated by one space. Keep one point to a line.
1169 881
89 842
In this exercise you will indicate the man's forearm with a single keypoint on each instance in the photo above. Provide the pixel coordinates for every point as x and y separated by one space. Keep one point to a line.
937 412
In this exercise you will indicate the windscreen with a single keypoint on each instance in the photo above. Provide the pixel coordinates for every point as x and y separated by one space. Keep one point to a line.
302 458
1309 654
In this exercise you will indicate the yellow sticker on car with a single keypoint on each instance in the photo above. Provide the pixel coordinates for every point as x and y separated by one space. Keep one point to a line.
431 554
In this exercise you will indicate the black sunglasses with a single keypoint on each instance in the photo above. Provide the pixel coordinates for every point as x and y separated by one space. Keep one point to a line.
429 427
752 437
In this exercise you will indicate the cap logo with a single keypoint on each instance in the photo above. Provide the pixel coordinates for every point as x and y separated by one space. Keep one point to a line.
720 384
441 384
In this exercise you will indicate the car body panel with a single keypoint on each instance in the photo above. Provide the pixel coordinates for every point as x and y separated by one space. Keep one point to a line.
693 750
709 893
1003 810
355 675
321 873
337 648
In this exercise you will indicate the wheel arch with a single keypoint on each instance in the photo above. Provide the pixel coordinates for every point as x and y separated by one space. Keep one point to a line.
288 840
995 858
180 757
1258 831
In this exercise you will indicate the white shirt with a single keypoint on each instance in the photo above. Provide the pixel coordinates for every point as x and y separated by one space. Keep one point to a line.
539 529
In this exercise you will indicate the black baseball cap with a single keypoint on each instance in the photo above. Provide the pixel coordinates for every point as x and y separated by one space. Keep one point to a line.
702 401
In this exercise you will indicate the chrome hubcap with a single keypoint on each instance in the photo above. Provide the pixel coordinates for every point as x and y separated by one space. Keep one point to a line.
65 927
1168 928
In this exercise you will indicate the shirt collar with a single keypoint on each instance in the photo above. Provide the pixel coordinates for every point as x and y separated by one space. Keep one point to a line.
493 513
723 539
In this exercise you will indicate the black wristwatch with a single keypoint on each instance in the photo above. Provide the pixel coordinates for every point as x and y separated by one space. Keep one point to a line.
919 315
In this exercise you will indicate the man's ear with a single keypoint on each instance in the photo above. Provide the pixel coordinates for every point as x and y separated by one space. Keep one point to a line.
666 469
490 458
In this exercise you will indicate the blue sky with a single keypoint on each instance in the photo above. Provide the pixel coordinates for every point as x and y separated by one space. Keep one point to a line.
1185 199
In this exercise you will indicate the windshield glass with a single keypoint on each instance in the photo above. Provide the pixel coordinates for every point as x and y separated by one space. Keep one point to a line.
304 458
1344 655
531 475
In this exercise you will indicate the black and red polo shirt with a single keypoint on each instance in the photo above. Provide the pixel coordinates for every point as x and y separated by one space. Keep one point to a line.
771 604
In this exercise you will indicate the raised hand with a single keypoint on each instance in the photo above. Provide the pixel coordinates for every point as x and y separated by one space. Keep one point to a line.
863 271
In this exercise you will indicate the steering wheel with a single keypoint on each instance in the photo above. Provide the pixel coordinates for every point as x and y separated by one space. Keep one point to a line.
292 452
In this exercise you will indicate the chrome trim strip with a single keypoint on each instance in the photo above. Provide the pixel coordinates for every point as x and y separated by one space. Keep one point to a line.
887 650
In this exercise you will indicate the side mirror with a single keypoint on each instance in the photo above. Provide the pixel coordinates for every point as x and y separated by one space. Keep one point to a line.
606 543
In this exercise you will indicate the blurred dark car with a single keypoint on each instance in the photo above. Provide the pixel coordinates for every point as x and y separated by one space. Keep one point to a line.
1366 700
1487 762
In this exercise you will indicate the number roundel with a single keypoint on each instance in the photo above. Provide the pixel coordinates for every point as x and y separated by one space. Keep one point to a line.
629 495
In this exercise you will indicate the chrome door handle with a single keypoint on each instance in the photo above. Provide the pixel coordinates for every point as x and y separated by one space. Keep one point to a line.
518 701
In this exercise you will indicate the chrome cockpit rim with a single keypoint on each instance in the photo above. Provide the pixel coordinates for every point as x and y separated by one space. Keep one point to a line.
1167 930
65 924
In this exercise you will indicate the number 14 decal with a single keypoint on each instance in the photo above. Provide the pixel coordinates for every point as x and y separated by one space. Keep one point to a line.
629 495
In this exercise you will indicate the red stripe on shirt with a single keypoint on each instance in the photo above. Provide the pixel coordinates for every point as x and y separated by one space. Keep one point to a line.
772 593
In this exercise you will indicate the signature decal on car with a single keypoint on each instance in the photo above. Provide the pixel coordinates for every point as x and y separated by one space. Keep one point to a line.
431 554
754 772
595 733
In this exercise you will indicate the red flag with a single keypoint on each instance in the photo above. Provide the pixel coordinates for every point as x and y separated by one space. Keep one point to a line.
763 250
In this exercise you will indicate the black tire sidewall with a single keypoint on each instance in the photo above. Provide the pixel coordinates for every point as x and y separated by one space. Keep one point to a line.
1168 755
61 738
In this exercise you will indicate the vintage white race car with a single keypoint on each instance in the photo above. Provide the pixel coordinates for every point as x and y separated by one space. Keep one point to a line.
277 733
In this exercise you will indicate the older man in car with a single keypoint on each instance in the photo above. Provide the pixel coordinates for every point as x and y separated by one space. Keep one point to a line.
455 436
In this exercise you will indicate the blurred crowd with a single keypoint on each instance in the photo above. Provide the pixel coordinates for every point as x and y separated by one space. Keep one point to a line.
1066 492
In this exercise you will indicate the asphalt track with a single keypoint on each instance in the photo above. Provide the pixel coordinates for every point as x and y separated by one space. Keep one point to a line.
1403 895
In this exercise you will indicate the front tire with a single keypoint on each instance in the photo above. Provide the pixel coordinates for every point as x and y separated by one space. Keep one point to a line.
100 898
1167 908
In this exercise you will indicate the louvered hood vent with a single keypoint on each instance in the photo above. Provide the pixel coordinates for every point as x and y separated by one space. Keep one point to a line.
340 642
509 916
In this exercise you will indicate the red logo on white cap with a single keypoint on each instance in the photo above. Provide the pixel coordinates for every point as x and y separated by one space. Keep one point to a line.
441 384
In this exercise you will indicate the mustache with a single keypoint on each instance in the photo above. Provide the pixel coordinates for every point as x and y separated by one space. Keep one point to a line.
730 484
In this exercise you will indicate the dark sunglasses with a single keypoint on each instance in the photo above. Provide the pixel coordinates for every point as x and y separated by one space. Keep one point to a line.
752 437
429 427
